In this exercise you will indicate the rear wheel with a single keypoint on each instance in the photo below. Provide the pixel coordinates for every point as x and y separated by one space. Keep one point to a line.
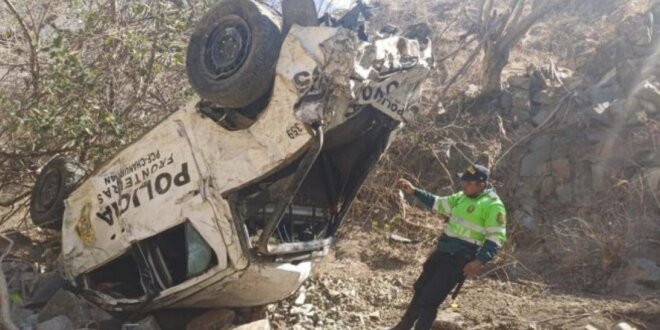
232 54
56 181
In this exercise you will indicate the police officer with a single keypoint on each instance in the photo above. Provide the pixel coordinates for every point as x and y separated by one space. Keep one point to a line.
475 232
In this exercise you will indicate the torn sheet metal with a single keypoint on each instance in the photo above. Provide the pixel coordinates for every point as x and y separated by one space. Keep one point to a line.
386 74
394 69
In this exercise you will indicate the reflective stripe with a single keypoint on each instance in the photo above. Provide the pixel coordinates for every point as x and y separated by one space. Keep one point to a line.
467 224
451 233
442 202
495 240
496 230
445 204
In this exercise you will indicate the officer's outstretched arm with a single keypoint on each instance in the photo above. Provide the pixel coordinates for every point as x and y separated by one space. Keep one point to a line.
439 205
425 197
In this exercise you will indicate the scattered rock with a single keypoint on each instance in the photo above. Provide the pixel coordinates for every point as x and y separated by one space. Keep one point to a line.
472 91
539 154
561 170
520 82
56 323
590 327
506 101
401 239
22 317
640 276
623 326
46 286
527 221
334 295
78 310
650 92
540 117
448 320
306 310
147 323
638 118
257 325
520 99
300 299
218 319
547 187
546 97
564 193
648 106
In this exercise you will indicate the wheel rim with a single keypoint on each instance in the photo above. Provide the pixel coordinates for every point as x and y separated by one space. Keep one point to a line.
226 48
49 191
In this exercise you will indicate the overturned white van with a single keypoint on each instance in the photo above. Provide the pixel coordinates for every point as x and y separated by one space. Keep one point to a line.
226 202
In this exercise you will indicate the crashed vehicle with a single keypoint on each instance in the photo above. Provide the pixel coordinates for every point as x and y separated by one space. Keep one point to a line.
226 202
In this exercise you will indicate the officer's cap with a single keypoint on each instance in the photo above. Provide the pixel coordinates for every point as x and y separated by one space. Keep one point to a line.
475 172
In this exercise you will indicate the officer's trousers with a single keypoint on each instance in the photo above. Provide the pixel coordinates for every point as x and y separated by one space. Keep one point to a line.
441 272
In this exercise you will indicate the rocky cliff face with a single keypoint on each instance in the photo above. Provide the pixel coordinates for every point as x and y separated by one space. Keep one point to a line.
584 180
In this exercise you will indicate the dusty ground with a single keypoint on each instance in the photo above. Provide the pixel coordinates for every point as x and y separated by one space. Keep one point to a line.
366 284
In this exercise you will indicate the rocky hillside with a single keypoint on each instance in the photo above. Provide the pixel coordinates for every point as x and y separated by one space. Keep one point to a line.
573 141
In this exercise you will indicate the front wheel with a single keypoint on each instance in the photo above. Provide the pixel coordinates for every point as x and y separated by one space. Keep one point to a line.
58 178
232 54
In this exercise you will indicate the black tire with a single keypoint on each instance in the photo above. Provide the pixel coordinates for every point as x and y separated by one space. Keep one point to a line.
56 181
232 54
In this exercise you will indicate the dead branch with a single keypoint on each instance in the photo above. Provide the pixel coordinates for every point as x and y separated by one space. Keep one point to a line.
457 50
461 71
499 33
14 200
31 154
517 31
34 61
449 176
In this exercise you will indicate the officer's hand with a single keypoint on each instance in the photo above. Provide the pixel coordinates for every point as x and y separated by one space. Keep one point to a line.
406 186
472 269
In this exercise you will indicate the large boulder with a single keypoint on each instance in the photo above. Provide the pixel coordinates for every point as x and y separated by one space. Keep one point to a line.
217 319
78 310
520 82
57 323
640 276
535 162
649 91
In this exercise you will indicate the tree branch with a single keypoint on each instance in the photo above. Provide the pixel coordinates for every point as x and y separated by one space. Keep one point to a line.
517 32
34 65
29 154
516 14
15 200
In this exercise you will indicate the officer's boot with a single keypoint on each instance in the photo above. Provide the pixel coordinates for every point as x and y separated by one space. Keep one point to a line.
404 325
409 318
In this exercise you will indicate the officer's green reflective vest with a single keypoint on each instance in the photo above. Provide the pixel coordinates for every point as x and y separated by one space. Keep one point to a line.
474 220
